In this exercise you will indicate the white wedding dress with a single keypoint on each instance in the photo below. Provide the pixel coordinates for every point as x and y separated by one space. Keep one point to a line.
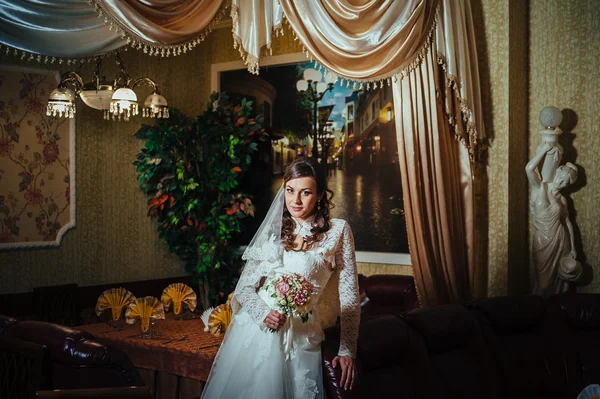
256 363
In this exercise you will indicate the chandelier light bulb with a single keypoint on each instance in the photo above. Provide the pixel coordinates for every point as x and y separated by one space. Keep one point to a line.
124 104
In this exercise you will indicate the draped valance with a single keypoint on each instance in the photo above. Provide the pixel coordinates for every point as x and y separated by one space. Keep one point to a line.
369 43
47 30
55 28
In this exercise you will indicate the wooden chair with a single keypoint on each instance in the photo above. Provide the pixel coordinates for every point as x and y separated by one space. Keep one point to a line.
97 393
21 365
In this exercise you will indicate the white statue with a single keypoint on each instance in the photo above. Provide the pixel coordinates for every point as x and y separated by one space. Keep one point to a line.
553 248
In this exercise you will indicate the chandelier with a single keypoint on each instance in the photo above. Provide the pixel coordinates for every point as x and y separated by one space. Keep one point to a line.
117 98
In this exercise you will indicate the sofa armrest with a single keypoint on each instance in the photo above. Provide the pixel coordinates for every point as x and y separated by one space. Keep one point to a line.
77 359
331 375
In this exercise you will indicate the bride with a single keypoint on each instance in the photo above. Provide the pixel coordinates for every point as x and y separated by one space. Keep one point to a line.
270 355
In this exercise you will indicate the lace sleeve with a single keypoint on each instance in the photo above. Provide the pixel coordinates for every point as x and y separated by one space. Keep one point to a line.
245 293
345 261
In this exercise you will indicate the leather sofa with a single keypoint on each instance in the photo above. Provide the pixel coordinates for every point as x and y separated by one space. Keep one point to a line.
72 359
386 294
503 347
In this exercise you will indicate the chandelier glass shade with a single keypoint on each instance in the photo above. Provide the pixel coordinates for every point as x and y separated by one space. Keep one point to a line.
97 96
61 103
123 104
117 98
155 106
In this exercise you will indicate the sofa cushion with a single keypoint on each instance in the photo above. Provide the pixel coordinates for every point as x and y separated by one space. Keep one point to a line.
520 332
581 313
460 364
389 348
385 341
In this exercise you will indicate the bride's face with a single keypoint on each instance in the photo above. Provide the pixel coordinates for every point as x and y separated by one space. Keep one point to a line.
301 197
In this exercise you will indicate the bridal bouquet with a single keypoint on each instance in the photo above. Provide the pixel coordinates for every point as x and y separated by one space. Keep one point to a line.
293 294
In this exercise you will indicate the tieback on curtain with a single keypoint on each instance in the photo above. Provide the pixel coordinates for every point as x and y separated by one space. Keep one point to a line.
461 119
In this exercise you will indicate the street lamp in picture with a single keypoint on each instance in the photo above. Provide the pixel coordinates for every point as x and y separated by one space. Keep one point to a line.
314 89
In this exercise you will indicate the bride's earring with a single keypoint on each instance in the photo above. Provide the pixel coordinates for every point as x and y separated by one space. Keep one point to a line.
318 205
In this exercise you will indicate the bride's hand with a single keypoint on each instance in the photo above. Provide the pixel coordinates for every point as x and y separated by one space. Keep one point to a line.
274 320
348 370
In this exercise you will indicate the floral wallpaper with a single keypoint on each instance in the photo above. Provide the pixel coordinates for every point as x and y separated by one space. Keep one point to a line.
35 161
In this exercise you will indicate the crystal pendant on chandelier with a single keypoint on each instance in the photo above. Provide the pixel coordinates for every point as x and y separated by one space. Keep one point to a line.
124 104
61 103
155 106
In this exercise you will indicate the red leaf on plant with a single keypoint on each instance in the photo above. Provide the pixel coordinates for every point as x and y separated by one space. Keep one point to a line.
237 169
230 211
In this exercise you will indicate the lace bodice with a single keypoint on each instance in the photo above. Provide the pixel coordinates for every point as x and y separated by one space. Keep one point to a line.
330 265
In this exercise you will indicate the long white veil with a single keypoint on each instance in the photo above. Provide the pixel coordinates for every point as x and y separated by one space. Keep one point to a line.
265 251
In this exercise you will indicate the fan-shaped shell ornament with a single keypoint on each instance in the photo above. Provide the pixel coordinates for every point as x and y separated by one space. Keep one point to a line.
219 319
590 392
178 294
145 308
115 299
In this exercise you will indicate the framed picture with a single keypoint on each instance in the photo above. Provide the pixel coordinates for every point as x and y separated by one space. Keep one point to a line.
354 137
37 162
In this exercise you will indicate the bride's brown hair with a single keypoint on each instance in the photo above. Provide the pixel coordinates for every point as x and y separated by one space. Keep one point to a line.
307 167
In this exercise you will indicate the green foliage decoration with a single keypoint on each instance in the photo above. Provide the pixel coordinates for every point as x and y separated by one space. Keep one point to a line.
190 169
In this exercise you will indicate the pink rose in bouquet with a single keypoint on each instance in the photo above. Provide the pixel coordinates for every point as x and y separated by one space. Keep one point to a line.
293 294
282 288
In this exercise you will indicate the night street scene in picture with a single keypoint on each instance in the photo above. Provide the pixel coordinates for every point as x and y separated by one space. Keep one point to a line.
350 130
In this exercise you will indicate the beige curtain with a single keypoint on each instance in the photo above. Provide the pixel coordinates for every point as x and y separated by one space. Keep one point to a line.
426 50
434 202
162 27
